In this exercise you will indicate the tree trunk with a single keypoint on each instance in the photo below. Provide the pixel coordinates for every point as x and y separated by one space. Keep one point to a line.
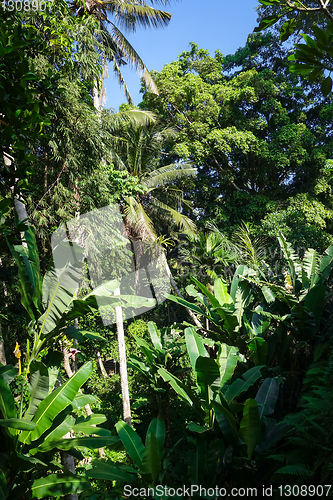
123 363
100 364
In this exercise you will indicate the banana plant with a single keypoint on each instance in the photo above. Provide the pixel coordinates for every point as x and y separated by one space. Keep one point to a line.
150 461
228 428
31 439
50 303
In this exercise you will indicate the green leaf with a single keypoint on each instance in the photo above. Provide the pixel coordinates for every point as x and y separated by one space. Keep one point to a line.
18 423
196 461
7 403
260 323
195 346
227 359
310 266
8 373
177 385
207 372
151 460
60 284
267 395
154 335
221 292
267 21
187 304
132 442
38 387
250 426
55 402
56 485
157 428
193 427
91 442
259 349
239 386
287 29
268 294
108 472
227 423
81 400
82 335
326 86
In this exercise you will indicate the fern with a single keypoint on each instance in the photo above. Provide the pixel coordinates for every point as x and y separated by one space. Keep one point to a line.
296 470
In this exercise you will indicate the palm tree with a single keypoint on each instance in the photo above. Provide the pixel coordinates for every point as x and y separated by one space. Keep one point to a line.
127 14
139 148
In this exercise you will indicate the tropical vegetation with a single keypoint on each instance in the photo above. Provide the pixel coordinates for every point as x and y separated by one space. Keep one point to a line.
207 211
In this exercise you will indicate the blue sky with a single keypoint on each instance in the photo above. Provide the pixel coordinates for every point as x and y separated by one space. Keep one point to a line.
212 24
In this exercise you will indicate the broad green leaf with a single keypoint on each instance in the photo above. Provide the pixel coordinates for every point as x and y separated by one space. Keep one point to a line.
146 349
227 424
287 29
177 385
268 294
151 460
206 292
314 301
157 428
81 400
195 346
267 395
56 434
259 349
239 385
82 335
326 86
56 485
18 423
260 323
267 21
227 359
59 284
196 461
187 304
7 403
193 427
250 426
91 442
109 472
291 258
154 335
132 442
207 372
38 387
55 402
221 292
8 373
310 266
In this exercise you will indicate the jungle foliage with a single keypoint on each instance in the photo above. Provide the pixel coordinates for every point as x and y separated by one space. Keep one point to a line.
225 168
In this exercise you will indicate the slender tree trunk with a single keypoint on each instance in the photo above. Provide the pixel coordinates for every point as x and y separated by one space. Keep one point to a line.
100 364
123 363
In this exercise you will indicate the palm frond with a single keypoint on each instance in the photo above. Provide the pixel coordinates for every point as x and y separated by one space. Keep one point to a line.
138 219
132 57
169 213
167 174
131 13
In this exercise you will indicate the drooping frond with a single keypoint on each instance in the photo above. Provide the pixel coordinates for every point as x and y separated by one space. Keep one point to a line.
170 214
132 13
121 81
132 57
137 218
167 174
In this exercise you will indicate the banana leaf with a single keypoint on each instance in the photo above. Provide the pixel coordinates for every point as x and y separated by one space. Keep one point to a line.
56 485
132 442
250 426
55 402
195 346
